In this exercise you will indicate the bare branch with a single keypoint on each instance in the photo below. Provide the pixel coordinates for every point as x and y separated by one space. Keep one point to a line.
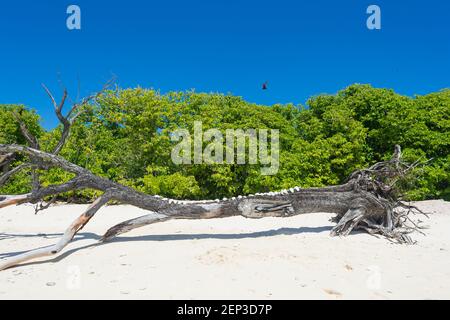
58 108
6 176
41 206
129 225
75 111
14 200
6 159
85 101
34 143
46 160
71 231
31 139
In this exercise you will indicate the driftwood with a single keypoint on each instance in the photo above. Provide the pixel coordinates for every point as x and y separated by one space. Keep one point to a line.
368 201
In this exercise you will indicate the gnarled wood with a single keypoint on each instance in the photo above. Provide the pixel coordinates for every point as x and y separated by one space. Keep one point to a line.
357 203
367 201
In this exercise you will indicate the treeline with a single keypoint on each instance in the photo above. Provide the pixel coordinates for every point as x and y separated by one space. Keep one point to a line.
125 136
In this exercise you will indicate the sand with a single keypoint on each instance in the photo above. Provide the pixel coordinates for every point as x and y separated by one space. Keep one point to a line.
231 258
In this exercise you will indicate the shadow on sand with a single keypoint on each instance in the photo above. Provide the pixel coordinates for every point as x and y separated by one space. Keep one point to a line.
165 237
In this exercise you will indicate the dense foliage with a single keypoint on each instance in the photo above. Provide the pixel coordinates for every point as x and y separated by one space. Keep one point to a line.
126 135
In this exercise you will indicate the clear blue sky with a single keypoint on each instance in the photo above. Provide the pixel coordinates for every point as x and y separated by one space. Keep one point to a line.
302 48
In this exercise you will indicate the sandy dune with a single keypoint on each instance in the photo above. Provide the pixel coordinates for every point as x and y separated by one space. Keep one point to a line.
232 258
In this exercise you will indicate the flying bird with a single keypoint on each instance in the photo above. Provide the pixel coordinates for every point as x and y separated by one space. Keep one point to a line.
264 86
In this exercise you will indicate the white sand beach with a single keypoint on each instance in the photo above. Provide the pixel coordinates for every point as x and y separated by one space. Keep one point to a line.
231 258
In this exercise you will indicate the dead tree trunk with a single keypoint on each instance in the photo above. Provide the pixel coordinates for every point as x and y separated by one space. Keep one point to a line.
367 201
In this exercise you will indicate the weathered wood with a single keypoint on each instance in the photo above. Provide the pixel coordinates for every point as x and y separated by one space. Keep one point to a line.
71 231
133 224
361 203
367 201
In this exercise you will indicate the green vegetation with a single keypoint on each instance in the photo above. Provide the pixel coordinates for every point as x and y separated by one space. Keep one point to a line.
125 137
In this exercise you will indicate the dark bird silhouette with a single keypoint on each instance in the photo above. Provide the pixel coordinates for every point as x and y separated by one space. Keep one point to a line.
264 86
